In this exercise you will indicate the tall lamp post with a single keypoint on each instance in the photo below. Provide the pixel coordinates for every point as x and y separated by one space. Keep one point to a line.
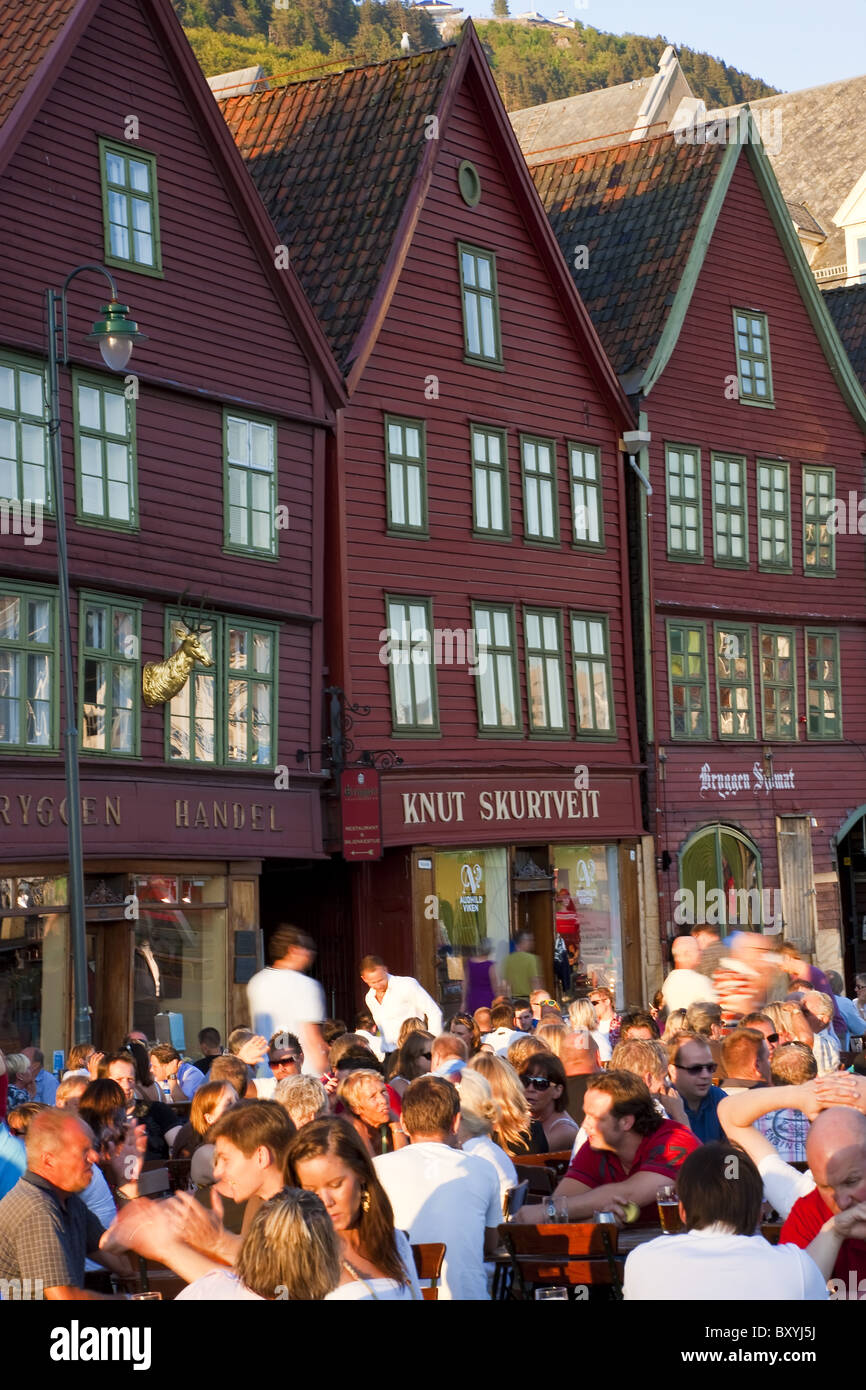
115 335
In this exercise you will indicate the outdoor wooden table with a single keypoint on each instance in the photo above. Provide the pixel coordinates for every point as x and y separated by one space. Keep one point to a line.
630 1237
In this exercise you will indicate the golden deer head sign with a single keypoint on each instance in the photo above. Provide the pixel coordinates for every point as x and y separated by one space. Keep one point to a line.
161 680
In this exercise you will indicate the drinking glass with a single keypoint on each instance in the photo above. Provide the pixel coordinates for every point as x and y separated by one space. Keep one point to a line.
144 1297
558 1292
669 1213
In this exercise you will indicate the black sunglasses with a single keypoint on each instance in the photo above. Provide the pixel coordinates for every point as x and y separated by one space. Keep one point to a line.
538 1083
428 1055
701 1066
284 1061
773 1037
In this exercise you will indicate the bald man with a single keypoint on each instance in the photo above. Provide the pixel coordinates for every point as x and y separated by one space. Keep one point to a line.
685 984
825 1209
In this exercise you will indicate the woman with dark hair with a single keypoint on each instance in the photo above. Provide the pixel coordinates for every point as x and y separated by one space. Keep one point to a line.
414 1061
103 1107
327 1157
544 1081
721 1255
145 1086
464 1026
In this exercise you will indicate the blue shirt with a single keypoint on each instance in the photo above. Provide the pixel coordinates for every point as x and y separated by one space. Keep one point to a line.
13 1160
45 1087
704 1121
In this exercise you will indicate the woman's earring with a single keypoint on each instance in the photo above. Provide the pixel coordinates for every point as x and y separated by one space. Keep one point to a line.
365 1201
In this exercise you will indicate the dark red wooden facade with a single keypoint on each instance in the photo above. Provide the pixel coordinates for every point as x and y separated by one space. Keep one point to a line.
746 267
225 328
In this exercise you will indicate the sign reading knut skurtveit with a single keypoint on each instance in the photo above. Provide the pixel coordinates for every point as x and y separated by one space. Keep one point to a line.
461 810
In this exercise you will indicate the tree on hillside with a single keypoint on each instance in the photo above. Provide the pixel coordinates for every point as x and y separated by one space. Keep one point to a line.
500 9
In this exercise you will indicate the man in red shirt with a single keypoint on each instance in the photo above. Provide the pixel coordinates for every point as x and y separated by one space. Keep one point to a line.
630 1153
828 1221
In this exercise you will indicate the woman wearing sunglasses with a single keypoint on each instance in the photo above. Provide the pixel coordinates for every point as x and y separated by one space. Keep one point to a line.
543 1079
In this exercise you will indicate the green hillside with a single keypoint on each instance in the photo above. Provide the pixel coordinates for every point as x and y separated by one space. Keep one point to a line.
531 65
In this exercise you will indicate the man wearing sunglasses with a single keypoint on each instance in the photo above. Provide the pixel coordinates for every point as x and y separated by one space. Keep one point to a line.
692 1069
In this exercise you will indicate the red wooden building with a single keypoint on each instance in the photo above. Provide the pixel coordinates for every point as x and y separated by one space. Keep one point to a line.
754 611
180 479
477 573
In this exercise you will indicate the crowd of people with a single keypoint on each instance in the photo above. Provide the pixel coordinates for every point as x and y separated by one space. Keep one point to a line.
308 1161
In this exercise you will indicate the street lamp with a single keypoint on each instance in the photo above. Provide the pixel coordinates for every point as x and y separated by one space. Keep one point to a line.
115 334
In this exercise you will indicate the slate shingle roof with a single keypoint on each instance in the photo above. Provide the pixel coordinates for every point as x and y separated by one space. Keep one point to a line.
816 140
636 208
848 311
334 160
590 120
29 28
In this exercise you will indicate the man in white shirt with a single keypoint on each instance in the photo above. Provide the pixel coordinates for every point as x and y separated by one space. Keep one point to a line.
439 1193
392 999
720 1257
503 1033
283 999
685 984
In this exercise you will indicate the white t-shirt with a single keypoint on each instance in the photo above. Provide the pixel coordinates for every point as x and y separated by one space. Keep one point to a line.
685 987
282 1001
501 1039
783 1185
367 1290
713 1264
482 1146
220 1285
404 998
442 1194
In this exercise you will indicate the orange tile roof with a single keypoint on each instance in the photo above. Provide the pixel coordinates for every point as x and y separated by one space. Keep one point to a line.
29 28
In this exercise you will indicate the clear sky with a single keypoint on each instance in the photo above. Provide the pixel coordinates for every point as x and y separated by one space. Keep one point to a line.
788 43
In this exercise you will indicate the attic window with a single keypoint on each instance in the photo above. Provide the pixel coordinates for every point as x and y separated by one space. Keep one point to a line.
469 183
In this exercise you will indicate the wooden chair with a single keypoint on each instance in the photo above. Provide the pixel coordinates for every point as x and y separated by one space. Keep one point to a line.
579 1254
514 1199
558 1161
771 1230
428 1265
541 1179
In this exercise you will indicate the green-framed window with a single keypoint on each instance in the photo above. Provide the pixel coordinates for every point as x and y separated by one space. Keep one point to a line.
730 512
25 469
496 669
409 647
251 704
778 653
819 542
752 340
226 713
587 502
490 509
109 675
735 687
685 507
28 669
688 680
545 676
406 475
105 474
250 453
192 715
481 332
130 207
540 511
823 684
593 685
774 516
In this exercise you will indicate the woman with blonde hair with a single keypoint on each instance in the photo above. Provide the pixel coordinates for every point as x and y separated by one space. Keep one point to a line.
479 1116
553 1035
515 1130
582 1014
523 1048
676 1022
368 1111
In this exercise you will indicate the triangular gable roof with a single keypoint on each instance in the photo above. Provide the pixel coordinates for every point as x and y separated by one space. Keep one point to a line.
344 164
848 311
44 37
646 213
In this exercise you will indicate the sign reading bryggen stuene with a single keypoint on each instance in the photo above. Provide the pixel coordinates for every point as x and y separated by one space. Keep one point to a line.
143 818
499 810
